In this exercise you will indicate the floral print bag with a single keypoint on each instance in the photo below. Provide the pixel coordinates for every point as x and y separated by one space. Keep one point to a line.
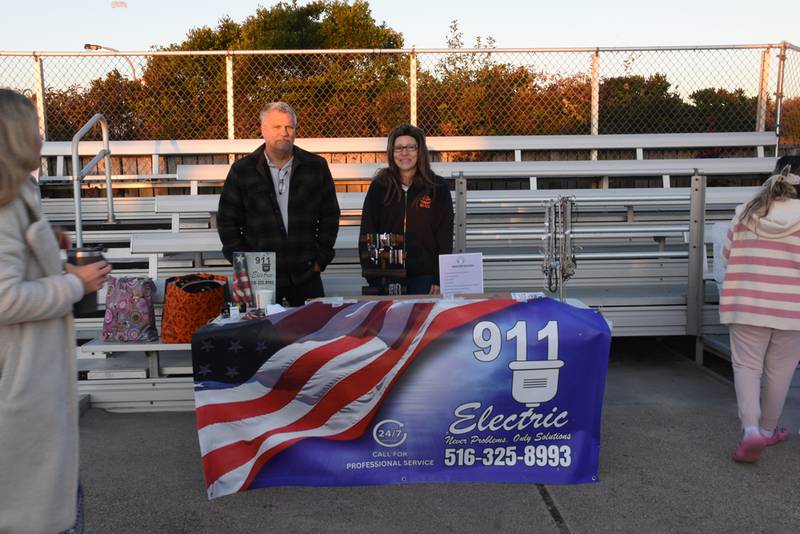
129 310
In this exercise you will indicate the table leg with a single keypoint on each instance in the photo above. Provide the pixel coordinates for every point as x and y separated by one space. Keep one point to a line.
153 363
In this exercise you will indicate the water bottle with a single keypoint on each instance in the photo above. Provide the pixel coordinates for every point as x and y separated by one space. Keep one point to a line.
85 256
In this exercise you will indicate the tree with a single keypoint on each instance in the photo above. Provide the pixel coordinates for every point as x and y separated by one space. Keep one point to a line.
323 24
790 122
118 97
322 88
638 104
719 110
471 93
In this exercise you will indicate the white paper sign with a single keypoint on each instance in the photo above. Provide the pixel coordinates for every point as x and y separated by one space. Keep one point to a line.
461 274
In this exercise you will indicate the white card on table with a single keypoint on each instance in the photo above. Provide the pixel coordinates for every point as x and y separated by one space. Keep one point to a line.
461 274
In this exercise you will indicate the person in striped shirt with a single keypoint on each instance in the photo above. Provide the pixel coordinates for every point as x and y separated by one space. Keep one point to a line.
760 301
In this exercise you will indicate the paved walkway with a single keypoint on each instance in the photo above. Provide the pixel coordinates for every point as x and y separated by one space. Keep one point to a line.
668 429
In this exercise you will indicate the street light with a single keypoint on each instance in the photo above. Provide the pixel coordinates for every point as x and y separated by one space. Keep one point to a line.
90 46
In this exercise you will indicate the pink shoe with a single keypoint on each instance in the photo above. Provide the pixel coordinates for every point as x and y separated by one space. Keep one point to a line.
781 434
750 447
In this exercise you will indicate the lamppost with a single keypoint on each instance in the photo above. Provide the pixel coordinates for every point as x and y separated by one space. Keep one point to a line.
90 46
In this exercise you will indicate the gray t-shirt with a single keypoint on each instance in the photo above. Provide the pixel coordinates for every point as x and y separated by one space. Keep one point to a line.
280 179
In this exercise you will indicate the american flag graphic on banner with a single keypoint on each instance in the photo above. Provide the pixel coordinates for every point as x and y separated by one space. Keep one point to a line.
318 371
241 290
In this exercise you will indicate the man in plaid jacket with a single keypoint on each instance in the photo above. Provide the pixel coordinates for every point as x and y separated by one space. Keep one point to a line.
281 199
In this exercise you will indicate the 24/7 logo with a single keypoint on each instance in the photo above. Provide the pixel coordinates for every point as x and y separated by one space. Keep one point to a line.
389 433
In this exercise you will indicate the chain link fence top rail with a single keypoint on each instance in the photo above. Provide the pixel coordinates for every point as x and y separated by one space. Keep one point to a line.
452 92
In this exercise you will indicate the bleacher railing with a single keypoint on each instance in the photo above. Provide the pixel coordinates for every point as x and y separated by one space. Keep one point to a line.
79 174
450 92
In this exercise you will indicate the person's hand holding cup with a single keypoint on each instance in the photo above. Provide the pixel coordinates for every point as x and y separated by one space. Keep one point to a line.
93 275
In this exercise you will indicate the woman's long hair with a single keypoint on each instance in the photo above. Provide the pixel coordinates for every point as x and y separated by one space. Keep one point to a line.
19 153
781 185
389 176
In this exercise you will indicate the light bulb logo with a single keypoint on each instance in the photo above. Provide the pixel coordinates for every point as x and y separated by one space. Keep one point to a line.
536 381
533 381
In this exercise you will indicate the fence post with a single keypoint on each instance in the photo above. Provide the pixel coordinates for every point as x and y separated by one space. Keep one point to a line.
697 250
779 95
412 86
763 91
461 213
229 95
38 73
595 105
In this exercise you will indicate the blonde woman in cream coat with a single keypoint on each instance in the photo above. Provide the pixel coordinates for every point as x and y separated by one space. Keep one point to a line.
38 391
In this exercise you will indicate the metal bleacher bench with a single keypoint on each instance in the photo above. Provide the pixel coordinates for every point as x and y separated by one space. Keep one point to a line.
178 207
515 247
156 244
152 351
520 146
488 213
528 169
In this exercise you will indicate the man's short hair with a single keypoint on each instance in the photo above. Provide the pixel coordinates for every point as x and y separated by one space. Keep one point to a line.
283 107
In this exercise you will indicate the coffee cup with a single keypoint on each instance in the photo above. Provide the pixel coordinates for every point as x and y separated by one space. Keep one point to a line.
264 298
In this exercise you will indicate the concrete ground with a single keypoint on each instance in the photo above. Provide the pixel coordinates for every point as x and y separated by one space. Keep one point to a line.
668 430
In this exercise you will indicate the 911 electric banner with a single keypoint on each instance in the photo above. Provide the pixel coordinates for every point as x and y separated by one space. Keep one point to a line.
393 392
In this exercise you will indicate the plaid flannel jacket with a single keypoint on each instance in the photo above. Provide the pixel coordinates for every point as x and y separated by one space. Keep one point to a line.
249 219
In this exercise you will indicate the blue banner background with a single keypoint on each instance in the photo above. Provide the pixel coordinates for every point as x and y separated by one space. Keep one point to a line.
447 375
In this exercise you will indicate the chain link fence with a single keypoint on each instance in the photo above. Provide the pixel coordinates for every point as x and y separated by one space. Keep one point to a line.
334 95
217 95
790 105
673 91
503 93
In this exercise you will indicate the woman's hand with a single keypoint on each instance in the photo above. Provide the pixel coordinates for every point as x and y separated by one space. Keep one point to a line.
63 239
93 275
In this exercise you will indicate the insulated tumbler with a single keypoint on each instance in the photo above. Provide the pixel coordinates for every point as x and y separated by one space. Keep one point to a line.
85 256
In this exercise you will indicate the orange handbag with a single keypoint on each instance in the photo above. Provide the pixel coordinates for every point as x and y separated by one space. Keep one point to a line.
190 302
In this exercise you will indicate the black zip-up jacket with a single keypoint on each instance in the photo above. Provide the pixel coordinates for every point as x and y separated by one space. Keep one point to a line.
428 225
249 219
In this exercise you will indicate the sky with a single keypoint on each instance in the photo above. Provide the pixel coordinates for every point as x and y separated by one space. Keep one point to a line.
58 25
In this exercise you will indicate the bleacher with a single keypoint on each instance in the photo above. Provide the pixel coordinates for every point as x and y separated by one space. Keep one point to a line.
557 156
632 243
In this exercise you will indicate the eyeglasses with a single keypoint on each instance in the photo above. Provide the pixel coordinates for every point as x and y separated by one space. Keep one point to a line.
407 148
283 174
